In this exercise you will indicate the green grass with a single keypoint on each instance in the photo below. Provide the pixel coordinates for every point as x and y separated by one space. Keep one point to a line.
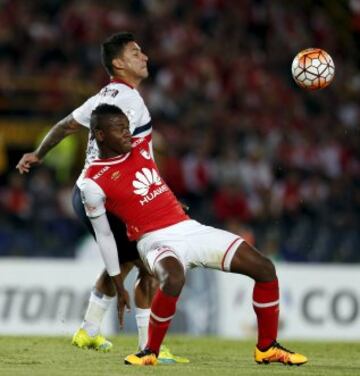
49 356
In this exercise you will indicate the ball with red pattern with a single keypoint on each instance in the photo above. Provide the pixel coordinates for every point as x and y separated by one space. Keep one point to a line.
313 69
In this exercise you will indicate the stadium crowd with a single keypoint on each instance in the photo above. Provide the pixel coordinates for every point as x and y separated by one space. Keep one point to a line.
245 148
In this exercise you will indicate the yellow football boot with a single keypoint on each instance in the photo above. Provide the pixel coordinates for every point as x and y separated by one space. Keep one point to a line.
277 353
82 340
143 358
166 357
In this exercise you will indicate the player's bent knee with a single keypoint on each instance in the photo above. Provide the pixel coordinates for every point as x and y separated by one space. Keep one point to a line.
268 270
171 276
249 261
173 283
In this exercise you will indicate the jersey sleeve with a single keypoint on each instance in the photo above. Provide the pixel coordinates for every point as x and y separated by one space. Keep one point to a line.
107 244
93 199
82 114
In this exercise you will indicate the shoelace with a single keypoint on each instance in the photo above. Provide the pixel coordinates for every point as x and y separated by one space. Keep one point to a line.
143 353
278 346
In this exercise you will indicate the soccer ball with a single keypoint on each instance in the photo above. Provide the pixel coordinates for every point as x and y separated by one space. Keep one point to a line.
313 69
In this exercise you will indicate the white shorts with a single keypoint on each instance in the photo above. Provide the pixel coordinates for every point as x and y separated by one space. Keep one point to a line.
192 243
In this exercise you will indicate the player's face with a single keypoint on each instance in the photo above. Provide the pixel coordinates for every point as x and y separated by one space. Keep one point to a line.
134 61
116 136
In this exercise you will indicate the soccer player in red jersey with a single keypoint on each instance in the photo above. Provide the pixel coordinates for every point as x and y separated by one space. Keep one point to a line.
126 182
126 65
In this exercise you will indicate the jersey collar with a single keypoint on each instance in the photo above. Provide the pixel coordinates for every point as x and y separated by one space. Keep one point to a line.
120 81
113 160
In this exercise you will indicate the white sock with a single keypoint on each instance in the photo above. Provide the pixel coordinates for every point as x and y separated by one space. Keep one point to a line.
98 305
142 317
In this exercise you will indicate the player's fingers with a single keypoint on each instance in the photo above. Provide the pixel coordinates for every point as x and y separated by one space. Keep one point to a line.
22 169
128 305
22 163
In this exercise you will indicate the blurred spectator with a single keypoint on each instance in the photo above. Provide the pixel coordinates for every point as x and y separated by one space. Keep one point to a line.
230 203
15 200
221 95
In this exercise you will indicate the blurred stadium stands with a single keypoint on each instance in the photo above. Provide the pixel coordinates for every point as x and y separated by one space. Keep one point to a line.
247 149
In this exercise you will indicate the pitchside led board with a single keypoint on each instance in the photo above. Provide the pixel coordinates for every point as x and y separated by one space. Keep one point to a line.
49 297
45 296
316 302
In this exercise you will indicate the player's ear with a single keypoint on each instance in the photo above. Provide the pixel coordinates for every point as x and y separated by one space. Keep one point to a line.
99 135
118 63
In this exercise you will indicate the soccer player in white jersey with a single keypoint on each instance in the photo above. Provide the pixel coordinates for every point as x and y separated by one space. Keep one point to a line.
126 65
126 182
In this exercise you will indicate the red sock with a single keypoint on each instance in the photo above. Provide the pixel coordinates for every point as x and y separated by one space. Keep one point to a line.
266 307
163 309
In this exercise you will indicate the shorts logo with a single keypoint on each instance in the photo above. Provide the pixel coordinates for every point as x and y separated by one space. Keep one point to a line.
143 183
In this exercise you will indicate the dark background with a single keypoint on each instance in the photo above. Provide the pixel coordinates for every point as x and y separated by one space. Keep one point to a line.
246 148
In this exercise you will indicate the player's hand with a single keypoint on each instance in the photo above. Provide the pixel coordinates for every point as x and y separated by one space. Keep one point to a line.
123 301
27 161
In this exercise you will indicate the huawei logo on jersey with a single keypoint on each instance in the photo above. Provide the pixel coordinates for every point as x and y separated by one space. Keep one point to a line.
145 180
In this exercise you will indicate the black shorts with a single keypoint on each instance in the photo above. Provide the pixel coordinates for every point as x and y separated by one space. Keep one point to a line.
126 249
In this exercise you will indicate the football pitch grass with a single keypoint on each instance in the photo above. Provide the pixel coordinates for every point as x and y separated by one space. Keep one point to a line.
54 356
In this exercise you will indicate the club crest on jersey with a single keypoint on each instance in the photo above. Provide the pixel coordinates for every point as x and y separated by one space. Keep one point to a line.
137 142
145 154
147 179
115 175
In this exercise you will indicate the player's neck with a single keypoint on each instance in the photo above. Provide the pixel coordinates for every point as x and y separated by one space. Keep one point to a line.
108 153
129 81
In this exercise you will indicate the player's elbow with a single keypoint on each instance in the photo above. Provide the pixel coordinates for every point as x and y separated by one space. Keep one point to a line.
69 125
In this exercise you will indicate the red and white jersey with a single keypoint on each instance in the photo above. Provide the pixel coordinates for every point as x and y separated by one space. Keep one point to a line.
130 187
129 100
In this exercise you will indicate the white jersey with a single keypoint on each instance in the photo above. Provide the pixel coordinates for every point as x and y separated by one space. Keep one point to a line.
125 97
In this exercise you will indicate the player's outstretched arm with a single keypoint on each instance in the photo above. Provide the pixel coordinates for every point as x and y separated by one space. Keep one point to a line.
108 249
94 198
58 132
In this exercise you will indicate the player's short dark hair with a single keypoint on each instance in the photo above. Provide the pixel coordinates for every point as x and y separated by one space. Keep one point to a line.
102 111
112 47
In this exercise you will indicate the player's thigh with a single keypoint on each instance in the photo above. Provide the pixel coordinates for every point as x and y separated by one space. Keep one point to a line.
211 247
249 261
